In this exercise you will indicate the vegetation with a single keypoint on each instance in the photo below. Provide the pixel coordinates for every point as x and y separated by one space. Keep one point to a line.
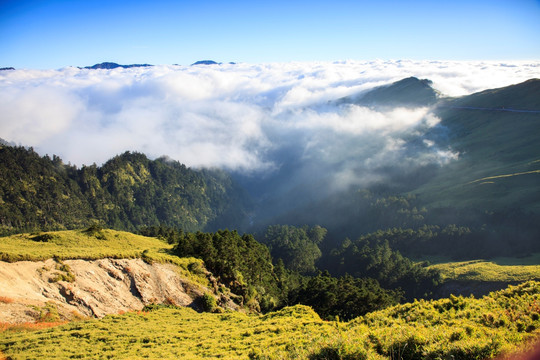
238 261
480 270
127 192
373 258
297 247
91 244
343 298
460 328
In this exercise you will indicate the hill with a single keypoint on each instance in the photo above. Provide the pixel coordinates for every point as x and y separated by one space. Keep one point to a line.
459 328
127 192
495 133
408 92
205 62
111 65
94 272
482 202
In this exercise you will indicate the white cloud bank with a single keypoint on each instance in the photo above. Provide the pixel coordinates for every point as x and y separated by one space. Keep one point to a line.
235 116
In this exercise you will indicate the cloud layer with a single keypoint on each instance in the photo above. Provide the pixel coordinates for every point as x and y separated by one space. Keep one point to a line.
241 117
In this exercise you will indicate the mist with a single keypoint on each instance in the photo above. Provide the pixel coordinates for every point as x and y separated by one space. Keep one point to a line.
263 120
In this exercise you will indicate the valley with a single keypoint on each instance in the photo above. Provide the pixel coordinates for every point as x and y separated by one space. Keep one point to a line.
149 258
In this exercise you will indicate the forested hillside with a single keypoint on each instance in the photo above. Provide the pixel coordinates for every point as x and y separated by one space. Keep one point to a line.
484 203
128 191
481 203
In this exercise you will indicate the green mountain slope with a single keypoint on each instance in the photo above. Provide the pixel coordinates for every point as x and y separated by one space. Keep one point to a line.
129 191
496 134
484 203
408 92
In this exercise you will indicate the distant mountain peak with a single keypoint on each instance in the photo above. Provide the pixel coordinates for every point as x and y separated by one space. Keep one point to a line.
205 62
408 92
112 65
7 68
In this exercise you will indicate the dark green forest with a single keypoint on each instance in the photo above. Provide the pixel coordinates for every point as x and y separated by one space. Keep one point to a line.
254 279
127 192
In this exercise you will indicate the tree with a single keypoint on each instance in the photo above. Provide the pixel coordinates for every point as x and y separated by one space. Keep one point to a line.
298 248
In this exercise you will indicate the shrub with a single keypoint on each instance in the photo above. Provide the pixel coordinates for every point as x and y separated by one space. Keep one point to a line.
42 237
65 273
208 302
96 231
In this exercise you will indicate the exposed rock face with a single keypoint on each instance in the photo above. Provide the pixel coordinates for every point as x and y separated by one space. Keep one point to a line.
100 287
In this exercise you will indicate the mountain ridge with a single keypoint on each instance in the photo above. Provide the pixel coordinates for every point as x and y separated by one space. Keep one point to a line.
407 92
499 147
126 192
112 65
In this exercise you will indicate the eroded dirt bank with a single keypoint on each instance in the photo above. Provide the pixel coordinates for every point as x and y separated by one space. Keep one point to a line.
30 291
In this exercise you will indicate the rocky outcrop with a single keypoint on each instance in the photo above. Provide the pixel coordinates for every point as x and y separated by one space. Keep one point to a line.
91 288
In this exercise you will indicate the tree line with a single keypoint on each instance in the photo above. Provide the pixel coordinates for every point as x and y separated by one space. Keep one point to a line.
127 192
286 267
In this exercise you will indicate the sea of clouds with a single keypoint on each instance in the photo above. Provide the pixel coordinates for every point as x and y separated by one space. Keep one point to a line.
250 118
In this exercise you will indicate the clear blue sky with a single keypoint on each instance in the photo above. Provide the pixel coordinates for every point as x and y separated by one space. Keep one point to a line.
54 34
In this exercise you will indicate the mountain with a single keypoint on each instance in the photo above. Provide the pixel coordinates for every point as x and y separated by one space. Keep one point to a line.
485 195
496 134
409 92
5 142
111 65
127 192
523 96
7 68
483 202
205 62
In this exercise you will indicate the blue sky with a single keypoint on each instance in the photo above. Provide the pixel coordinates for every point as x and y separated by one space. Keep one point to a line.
54 34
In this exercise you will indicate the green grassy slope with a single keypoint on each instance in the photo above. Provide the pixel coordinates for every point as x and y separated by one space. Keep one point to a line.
499 161
480 270
81 244
459 328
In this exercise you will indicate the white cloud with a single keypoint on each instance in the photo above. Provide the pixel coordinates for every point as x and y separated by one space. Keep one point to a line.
234 116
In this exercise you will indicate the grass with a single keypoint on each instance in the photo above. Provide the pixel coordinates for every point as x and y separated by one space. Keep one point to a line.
492 155
503 269
460 328
77 244
479 270
82 244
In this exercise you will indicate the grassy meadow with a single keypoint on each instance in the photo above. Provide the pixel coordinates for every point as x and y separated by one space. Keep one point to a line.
454 328
503 269
92 245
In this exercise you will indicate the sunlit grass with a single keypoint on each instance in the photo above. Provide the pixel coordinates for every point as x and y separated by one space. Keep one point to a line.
480 270
80 244
460 328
